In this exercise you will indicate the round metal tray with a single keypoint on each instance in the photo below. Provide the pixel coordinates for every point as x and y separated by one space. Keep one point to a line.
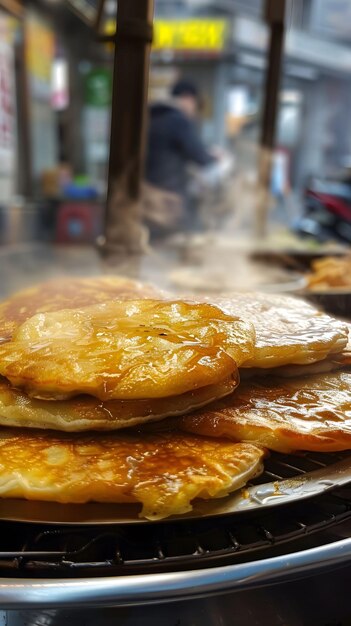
254 497
155 588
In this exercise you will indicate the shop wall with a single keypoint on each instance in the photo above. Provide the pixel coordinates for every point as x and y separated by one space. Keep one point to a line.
39 44
8 130
57 134
84 55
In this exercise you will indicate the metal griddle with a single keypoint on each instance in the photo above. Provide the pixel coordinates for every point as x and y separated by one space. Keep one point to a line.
286 479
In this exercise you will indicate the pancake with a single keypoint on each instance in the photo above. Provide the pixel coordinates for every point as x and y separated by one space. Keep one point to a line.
67 293
344 357
164 472
87 413
312 413
330 364
131 350
289 331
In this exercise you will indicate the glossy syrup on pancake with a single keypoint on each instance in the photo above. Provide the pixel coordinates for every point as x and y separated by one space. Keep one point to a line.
311 413
67 293
289 331
136 349
83 413
164 472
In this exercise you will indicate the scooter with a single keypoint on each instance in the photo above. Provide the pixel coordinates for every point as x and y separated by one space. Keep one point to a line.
327 210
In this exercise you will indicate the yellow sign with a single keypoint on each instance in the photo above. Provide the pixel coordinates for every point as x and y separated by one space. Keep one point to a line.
190 34
207 34
40 46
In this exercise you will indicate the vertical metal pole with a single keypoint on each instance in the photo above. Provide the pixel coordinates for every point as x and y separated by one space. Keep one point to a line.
274 15
99 15
123 230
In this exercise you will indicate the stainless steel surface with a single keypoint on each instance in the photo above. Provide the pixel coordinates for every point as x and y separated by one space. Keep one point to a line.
156 588
318 601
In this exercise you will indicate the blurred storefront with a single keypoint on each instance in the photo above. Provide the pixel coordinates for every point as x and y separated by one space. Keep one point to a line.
314 126
40 49
198 48
43 144
10 129
8 98
52 53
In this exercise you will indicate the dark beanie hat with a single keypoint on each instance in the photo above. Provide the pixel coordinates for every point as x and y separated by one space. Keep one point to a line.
185 88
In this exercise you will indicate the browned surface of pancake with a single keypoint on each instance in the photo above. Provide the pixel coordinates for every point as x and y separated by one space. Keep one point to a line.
164 472
288 330
330 273
87 413
67 293
344 357
126 350
330 364
312 413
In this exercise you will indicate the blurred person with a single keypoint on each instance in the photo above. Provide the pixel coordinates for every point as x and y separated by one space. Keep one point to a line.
173 145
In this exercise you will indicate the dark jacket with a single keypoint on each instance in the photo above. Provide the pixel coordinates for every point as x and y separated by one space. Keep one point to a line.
173 143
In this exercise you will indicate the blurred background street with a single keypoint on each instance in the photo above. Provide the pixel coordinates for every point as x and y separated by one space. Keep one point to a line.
56 75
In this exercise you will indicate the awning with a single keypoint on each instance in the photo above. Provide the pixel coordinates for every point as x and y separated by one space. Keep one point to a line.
85 9
15 7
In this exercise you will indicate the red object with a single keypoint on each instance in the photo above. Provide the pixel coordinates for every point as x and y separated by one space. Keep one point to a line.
78 222
336 205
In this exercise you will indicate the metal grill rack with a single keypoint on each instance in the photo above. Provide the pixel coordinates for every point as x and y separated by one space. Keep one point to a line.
32 550
283 466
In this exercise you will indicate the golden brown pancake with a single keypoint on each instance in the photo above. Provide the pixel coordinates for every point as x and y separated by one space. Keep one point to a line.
164 472
67 293
87 413
331 363
330 273
126 350
289 331
344 357
312 413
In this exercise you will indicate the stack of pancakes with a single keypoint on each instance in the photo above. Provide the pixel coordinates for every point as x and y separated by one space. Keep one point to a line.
87 364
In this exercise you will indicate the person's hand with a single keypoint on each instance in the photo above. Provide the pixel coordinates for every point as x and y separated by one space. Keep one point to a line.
217 152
